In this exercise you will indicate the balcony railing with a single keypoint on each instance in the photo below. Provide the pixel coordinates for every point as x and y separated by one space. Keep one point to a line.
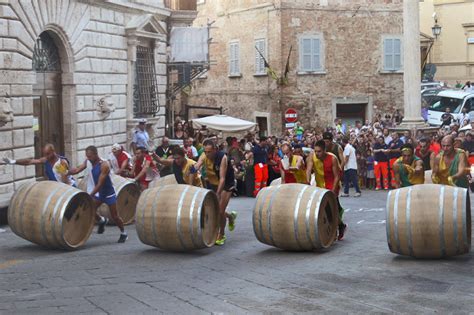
190 5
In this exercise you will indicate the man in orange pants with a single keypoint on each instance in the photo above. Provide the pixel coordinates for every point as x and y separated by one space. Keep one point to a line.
260 158
381 163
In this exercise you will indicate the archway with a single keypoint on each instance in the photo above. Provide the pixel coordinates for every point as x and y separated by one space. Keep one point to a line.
47 104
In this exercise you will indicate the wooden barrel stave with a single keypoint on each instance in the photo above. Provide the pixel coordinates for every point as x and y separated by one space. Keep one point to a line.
295 217
51 214
162 181
425 227
177 217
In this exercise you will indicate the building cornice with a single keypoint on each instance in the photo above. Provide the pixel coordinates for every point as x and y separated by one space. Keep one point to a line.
183 17
127 6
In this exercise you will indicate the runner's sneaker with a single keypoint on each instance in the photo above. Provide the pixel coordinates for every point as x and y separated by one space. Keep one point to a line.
233 216
342 230
344 195
123 238
102 225
357 195
221 241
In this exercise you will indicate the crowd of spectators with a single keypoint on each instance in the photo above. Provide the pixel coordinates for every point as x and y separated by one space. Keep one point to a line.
366 150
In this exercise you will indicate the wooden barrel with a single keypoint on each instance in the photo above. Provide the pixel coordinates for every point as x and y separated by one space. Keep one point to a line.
296 217
162 181
277 181
52 214
429 221
177 217
127 197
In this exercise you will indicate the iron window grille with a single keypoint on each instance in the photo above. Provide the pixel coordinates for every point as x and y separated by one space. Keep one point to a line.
46 55
145 94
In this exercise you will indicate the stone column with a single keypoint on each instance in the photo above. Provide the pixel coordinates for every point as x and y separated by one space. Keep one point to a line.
411 64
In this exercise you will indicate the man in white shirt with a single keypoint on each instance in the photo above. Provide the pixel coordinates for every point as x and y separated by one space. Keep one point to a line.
140 136
386 136
350 169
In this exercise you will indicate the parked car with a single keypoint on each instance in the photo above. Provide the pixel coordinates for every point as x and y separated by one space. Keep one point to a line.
432 85
430 96
454 99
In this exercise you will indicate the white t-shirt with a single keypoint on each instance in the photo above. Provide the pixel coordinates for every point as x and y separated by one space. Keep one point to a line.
351 153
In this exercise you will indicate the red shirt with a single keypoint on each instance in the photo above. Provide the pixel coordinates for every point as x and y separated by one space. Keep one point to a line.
122 158
139 164
435 147
289 176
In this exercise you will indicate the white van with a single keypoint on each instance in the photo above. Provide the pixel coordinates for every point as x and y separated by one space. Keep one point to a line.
454 99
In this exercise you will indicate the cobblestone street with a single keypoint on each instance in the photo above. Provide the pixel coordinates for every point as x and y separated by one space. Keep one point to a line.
357 275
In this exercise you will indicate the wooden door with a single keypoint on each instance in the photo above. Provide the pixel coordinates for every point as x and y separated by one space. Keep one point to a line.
47 112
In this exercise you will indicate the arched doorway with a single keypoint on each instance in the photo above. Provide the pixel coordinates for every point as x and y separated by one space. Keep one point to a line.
47 109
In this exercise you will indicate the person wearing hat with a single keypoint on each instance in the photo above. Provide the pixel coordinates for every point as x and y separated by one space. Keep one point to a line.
140 136
120 161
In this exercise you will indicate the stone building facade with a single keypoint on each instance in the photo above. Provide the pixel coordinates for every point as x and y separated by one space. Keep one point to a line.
77 73
346 60
453 50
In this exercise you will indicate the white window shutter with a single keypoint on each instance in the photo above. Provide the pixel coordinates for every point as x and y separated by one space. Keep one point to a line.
316 54
397 54
388 54
237 58
259 62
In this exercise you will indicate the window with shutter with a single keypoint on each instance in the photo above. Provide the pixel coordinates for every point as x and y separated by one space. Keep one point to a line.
259 62
311 54
392 54
234 59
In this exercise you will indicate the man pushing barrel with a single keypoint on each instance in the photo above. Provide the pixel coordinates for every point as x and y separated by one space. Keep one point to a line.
220 179
55 166
450 166
327 172
181 167
408 169
100 187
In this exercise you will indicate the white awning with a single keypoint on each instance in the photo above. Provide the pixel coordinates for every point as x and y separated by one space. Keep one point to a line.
224 123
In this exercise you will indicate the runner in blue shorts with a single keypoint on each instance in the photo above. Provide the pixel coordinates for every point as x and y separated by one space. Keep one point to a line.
100 187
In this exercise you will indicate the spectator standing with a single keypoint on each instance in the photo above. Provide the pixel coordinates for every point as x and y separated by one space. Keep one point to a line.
447 118
140 136
468 146
260 165
381 163
350 169
370 170
299 131
164 152
424 153
393 154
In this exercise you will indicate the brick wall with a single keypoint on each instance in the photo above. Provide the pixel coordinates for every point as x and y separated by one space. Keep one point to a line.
352 33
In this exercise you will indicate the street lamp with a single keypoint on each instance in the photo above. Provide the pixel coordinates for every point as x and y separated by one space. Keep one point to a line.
436 29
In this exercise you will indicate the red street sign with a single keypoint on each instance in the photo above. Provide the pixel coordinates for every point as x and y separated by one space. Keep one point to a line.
291 116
